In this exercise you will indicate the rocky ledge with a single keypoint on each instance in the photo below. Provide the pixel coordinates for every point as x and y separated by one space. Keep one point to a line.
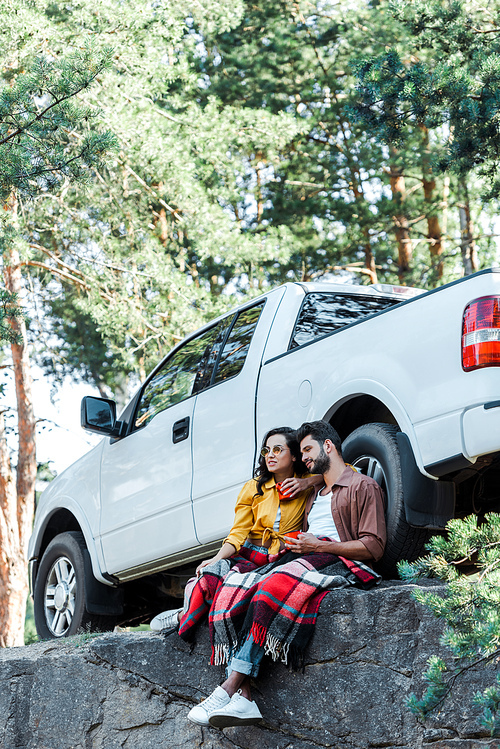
133 690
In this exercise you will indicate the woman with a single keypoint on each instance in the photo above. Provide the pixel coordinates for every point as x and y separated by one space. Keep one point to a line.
271 609
269 507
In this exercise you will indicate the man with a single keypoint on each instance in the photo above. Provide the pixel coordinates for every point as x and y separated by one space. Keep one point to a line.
348 508
343 521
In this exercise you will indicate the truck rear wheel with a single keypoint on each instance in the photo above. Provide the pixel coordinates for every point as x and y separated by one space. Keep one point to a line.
374 451
59 593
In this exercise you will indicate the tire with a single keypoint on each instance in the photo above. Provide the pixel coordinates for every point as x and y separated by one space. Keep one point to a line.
373 449
59 592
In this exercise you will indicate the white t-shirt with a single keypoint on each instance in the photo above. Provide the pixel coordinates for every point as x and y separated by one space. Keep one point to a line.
276 525
321 522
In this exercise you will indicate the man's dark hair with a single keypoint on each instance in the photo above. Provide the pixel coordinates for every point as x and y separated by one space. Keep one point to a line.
320 431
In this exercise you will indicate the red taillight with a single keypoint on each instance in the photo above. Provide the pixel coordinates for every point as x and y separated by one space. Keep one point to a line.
481 334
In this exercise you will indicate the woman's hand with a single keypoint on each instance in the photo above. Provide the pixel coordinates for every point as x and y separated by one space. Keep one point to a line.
205 563
227 551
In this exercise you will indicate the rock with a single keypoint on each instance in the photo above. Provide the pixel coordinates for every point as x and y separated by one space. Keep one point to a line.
133 690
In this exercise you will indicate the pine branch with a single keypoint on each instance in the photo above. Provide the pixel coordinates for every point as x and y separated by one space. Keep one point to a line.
427 705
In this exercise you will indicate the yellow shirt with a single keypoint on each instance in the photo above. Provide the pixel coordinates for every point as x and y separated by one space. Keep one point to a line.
255 516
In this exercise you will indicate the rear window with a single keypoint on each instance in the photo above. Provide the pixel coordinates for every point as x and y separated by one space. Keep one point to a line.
323 313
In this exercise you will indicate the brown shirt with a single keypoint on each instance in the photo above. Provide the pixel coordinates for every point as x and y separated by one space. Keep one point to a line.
357 510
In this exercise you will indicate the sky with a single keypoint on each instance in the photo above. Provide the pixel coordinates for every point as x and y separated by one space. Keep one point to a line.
60 438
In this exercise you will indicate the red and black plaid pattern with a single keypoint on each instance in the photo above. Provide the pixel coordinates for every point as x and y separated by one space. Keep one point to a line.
277 603
200 591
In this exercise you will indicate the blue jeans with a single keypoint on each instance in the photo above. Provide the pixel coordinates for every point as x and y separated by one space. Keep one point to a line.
247 658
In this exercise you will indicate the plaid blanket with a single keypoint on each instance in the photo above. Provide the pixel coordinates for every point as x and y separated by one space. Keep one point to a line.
277 603
200 591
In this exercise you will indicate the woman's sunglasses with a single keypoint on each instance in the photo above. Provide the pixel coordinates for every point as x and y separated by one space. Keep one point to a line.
275 449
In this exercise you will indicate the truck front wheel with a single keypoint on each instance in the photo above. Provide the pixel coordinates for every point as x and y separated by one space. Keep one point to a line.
374 451
59 593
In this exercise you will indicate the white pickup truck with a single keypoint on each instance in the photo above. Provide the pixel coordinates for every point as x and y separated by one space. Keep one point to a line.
412 385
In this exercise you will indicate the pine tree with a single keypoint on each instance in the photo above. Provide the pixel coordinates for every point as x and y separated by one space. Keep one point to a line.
468 560
339 195
9 311
448 81
45 139
167 213
246 170
42 141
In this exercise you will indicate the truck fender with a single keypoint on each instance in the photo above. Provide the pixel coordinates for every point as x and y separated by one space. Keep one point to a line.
428 503
68 504
353 390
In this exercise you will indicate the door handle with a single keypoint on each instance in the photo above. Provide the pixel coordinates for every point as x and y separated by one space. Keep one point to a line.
180 430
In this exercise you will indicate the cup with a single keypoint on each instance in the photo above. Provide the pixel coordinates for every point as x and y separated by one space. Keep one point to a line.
283 495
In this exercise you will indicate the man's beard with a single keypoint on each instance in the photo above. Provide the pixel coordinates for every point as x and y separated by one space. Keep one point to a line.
322 463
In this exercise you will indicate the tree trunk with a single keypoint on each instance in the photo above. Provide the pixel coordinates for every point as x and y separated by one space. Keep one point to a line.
367 245
12 594
369 259
17 503
434 233
401 226
356 185
164 227
467 243
445 206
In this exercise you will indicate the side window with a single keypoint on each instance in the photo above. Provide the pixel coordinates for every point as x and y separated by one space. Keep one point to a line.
323 313
236 347
186 372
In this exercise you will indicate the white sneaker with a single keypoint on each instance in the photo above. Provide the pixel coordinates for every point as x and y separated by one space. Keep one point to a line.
199 714
165 620
238 712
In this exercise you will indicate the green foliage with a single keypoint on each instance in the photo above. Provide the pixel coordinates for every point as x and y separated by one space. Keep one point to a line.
490 702
436 691
81 351
41 142
294 63
9 310
239 166
30 634
448 80
470 608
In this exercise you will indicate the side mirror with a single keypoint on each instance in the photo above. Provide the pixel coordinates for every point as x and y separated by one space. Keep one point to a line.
99 415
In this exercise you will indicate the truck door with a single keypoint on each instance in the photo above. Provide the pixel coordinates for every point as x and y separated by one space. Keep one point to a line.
224 424
146 477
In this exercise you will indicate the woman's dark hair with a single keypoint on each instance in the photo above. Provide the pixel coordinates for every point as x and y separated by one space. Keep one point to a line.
262 473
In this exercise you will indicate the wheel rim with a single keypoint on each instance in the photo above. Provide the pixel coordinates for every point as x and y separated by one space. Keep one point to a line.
370 466
60 596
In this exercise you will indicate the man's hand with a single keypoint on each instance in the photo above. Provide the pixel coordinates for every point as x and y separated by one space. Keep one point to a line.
304 544
293 486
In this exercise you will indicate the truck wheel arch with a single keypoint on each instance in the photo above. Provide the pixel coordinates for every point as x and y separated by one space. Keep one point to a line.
60 521
416 504
372 404
349 414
